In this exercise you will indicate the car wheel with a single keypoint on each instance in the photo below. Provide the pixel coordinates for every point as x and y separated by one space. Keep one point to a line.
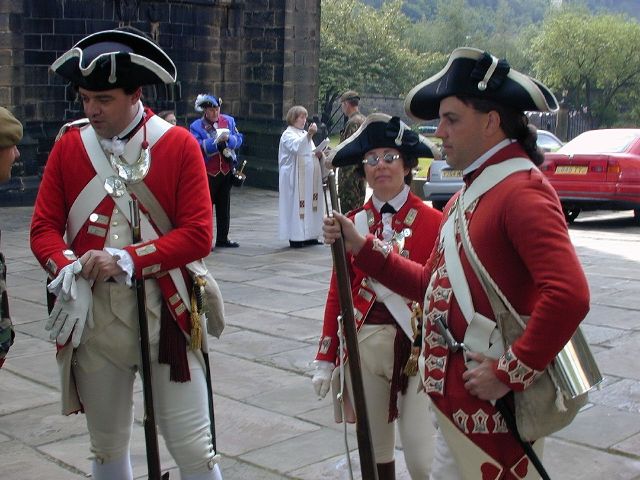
439 205
570 214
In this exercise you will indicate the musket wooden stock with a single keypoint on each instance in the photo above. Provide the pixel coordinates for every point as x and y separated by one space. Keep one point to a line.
149 421
363 432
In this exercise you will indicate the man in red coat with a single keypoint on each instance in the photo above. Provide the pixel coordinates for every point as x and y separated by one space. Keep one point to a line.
81 235
518 231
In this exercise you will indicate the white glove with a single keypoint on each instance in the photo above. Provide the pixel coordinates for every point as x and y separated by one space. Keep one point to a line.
64 285
322 377
71 315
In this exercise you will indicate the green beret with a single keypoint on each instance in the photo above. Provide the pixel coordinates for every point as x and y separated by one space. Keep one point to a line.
10 129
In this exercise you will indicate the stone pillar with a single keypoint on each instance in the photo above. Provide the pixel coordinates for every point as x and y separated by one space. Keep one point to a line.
280 62
12 91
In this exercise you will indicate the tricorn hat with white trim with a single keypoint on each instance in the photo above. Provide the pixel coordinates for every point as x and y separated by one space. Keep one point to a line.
380 130
475 73
115 59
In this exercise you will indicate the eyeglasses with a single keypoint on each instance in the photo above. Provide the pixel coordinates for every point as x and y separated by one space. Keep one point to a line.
373 160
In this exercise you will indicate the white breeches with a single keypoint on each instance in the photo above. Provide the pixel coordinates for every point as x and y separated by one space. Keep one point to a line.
444 465
414 424
181 409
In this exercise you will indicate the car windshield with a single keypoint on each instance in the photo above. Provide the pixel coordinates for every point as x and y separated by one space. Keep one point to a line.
600 141
548 143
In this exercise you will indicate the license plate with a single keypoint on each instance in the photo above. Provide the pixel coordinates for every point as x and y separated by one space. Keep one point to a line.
451 173
572 169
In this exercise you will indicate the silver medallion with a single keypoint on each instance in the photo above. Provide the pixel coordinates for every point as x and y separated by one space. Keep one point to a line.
115 186
406 232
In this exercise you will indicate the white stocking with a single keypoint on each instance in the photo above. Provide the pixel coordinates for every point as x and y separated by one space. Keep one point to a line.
119 468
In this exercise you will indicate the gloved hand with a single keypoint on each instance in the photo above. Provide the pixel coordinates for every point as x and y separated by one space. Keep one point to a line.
71 315
322 377
64 285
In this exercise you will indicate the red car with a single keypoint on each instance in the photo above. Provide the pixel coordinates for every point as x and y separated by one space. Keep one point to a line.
597 170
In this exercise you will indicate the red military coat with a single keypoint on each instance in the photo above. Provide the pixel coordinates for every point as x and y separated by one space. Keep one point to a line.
423 222
177 179
519 233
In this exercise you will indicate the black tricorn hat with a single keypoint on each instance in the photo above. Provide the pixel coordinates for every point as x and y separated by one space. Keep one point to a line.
475 73
380 130
115 59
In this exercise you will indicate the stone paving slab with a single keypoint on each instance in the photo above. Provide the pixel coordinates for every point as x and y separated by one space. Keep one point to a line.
618 317
264 299
301 398
309 447
567 461
601 427
74 452
23 463
270 424
240 379
255 345
299 360
42 425
294 269
289 284
18 393
622 395
40 368
242 428
277 324
337 468
630 446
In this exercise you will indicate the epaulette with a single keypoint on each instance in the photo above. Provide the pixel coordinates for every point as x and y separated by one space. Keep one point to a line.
76 123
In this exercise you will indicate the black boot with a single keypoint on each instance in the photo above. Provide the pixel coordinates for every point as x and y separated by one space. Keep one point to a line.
386 471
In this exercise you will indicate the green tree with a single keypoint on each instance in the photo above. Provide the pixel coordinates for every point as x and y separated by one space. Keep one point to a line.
592 60
363 48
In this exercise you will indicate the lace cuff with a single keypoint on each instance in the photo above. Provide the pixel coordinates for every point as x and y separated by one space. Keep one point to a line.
125 262
513 372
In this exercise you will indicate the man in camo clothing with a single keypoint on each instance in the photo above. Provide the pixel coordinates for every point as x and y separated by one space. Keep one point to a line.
10 135
351 186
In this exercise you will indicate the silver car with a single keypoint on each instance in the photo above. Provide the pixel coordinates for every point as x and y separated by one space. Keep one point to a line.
442 181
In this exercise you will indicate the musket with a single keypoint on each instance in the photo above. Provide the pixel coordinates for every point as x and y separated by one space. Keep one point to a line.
363 431
501 404
510 420
149 420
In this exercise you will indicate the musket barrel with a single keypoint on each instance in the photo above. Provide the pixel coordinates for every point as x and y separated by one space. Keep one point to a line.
363 431
149 420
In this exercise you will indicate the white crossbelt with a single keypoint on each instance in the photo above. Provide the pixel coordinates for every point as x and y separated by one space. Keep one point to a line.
396 304
94 192
482 334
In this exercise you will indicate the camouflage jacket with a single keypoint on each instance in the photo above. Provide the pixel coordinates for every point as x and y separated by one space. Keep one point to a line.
353 123
6 328
351 186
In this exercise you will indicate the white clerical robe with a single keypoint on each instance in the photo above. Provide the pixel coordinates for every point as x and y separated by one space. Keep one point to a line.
301 206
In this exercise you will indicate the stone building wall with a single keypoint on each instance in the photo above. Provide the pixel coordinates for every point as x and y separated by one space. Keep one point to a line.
259 56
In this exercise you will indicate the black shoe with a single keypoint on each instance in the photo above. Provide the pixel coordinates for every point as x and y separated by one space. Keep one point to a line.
227 244
313 241
296 244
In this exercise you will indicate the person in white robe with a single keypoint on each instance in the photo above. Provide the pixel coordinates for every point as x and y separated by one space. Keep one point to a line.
300 206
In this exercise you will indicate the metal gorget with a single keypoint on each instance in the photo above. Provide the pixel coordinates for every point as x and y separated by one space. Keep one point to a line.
135 172
126 173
